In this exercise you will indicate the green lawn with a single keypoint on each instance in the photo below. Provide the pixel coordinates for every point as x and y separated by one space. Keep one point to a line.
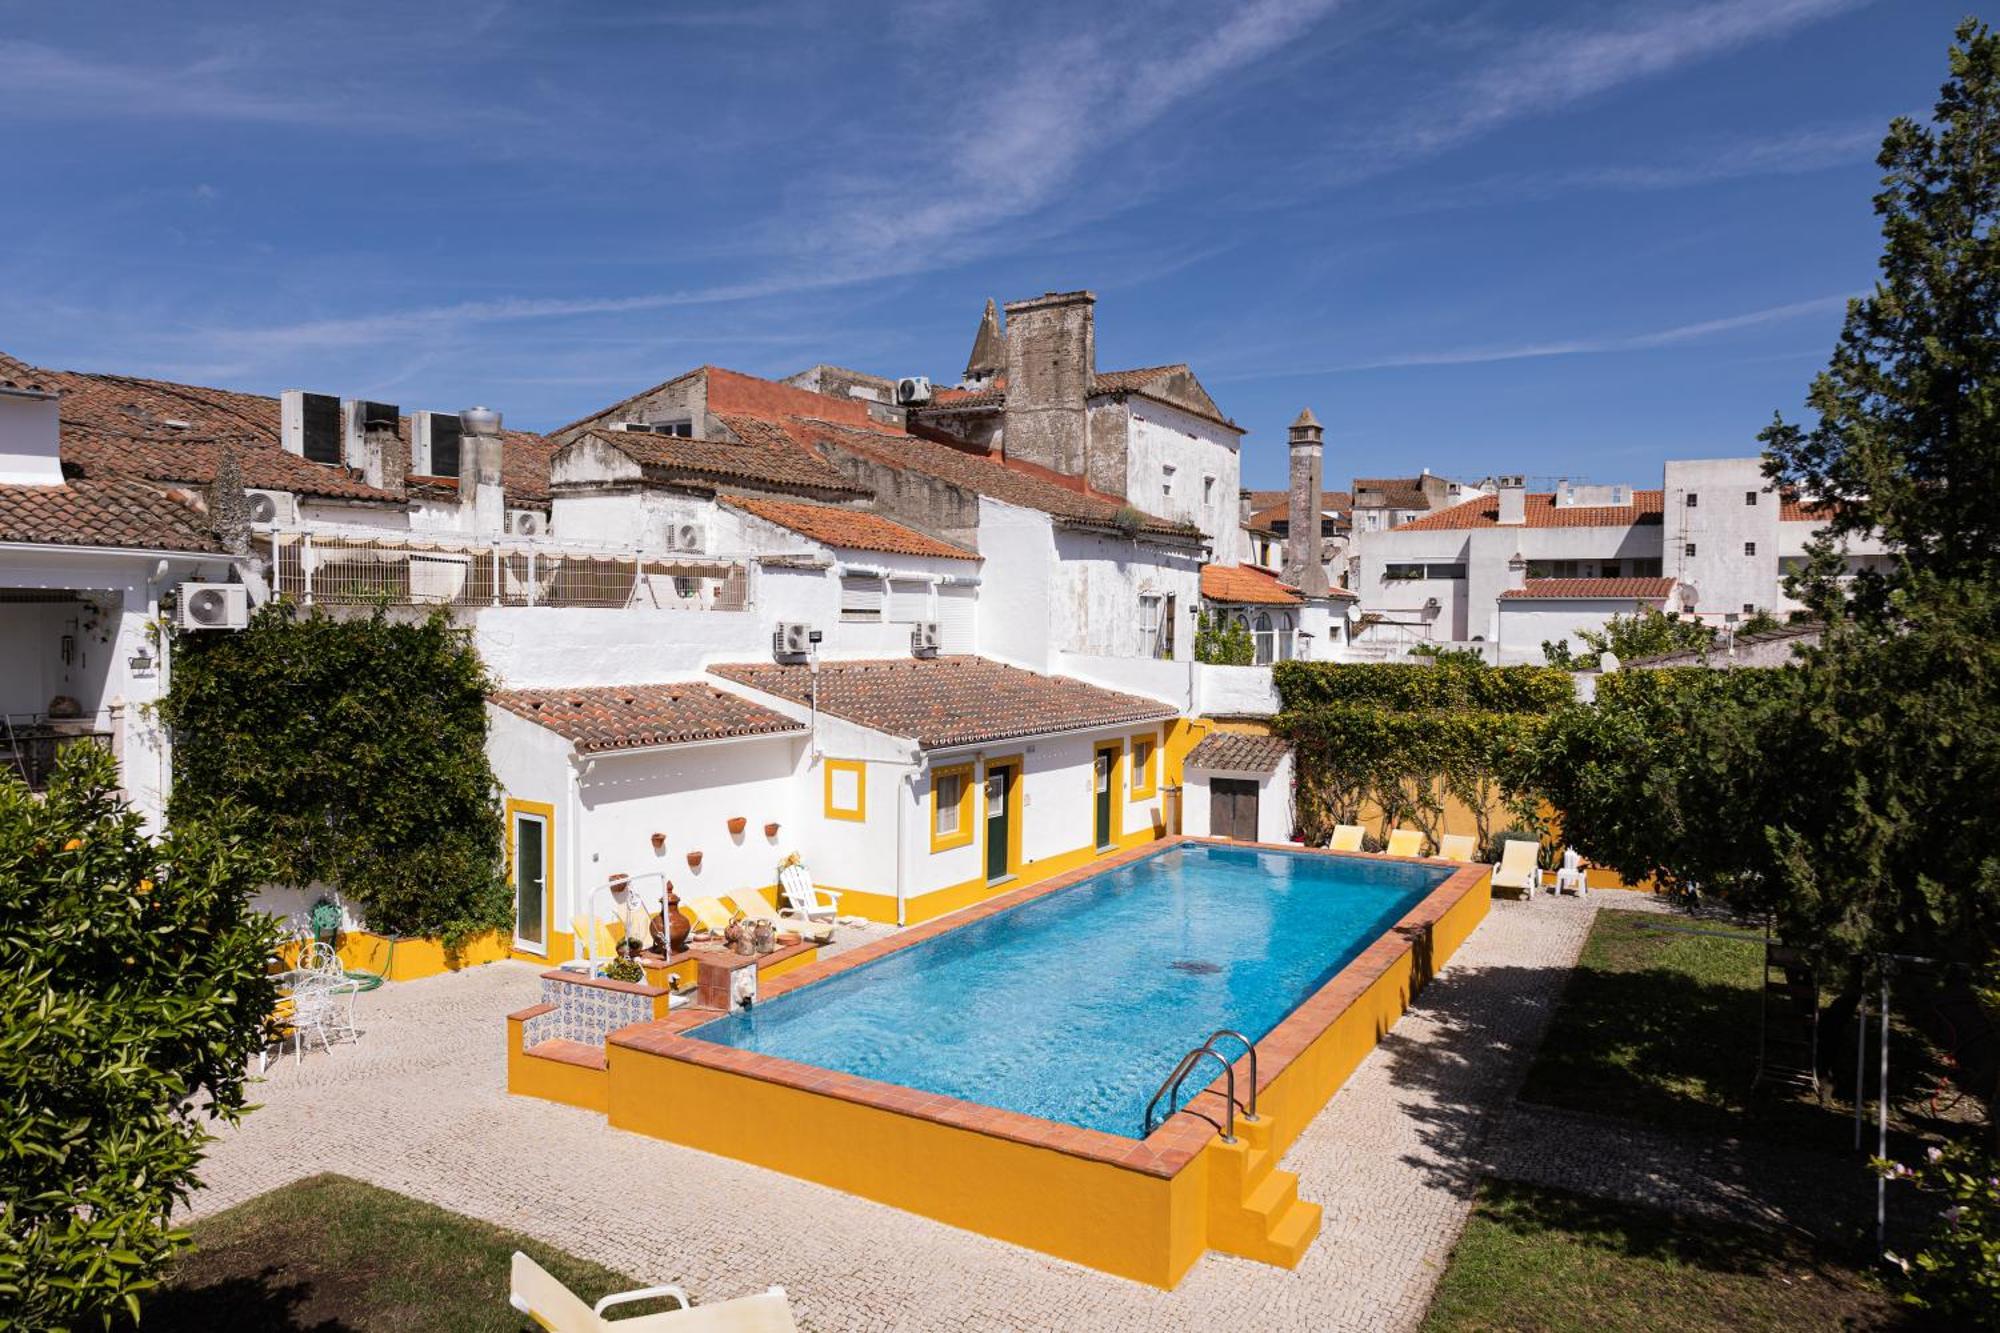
1540 1259
1660 1026
329 1254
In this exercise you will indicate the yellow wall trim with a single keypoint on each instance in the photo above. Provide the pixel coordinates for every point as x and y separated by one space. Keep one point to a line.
858 811
1146 765
962 835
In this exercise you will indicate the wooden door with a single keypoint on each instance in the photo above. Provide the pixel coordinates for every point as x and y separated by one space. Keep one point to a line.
1232 805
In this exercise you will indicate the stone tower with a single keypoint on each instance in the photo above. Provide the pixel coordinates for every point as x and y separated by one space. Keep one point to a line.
1051 364
1303 567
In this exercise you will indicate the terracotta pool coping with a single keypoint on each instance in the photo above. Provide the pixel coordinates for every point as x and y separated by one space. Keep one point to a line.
1163 1152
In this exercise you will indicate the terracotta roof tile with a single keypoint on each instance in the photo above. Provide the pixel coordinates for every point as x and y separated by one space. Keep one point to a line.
762 453
622 717
116 511
1238 752
1541 511
1246 584
16 374
850 529
1794 510
946 701
1390 493
1545 589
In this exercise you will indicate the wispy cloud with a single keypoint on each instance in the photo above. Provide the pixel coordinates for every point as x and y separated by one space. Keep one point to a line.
1531 351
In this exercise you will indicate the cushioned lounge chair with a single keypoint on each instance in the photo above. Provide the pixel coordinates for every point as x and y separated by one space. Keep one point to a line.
1346 838
752 905
1405 842
709 914
1462 847
536 1293
1519 868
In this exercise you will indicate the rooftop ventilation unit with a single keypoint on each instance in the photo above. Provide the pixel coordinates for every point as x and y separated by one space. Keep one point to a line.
272 508
688 537
311 426
434 443
1514 482
912 390
213 606
790 640
526 522
924 639
358 415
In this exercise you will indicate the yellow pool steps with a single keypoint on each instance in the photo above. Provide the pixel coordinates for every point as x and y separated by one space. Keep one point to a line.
1254 1209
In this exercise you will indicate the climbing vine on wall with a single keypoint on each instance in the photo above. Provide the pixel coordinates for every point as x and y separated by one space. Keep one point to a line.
1407 742
359 746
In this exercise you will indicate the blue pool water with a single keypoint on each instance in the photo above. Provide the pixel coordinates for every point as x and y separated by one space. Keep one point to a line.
1073 1006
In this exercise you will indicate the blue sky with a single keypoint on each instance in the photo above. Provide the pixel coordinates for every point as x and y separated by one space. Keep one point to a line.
1556 238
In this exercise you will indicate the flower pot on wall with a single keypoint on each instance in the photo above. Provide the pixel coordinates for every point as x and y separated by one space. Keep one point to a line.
736 823
771 829
659 843
694 860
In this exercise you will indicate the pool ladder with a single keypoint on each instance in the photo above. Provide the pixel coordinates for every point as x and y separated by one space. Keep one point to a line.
1170 1088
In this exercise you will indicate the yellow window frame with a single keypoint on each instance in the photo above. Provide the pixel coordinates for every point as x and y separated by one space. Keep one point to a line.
944 842
1145 776
858 812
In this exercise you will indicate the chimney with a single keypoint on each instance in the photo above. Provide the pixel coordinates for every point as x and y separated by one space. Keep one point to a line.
385 455
1246 507
1513 502
479 470
30 428
1051 363
1303 567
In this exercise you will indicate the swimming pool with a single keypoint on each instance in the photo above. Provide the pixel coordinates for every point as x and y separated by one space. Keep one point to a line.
1072 1006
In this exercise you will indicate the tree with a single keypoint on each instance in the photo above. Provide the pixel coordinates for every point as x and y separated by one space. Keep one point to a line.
133 991
1222 640
359 748
1645 633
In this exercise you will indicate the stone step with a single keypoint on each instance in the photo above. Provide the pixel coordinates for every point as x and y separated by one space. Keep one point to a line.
568 1052
1273 1197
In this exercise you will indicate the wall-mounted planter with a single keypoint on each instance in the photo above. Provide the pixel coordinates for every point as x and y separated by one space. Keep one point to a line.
659 843
694 860
736 824
771 830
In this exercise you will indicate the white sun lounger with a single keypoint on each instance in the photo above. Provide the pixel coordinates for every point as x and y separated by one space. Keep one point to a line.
536 1294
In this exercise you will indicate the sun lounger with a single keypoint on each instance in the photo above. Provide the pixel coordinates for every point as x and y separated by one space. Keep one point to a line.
536 1293
1346 838
1462 847
752 905
1406 842
1519 868
709 914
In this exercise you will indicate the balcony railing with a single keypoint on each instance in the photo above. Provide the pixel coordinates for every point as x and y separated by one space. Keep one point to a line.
347 569
29 750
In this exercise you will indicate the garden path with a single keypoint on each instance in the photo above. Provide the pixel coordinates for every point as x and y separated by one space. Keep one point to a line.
420 1106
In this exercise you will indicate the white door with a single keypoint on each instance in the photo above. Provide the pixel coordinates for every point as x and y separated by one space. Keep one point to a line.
531 882
957 612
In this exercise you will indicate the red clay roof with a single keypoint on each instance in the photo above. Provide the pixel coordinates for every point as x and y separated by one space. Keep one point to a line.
850 529
1245 584
762 453
1390 493
1792 510
946 701
622 717
116 511
1651 590
1483 511
731 391
1238 752
20 375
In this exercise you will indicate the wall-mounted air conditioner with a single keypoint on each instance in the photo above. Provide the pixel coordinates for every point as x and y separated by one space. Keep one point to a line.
213 606
912 390
272 508
527 523
924 639
791 639
688 537
434 443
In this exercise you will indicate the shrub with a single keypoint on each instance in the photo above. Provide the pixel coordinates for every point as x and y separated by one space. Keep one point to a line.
359 748
1220 641
1956 1273
133 991
1406 687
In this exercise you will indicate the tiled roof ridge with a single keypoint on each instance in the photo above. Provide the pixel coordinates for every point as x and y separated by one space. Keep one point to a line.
1483 511
619 717
1592 588
878 532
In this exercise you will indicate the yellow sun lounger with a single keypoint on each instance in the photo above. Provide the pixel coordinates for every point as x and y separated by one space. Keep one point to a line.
1405 842
1346 838
536 1293
1519 868
1461 847
709 914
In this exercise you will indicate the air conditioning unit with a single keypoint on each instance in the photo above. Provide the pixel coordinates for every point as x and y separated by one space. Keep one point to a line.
435 438
213 606
913 389
791 639
924 639
527 523
689 537
272 508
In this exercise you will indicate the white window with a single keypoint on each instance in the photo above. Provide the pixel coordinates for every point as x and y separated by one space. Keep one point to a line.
861 598
1166 479
950 789
909 601
1285 639
1266 642
1149 624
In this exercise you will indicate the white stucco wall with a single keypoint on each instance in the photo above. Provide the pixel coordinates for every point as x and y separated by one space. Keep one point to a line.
29 440
1095 589
1524 624
1014 613
1275 815
1200 452
1234 691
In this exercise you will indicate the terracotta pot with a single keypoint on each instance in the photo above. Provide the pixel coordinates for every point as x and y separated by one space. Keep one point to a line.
617 881
678 925
771 830
736 824
694 860
659 843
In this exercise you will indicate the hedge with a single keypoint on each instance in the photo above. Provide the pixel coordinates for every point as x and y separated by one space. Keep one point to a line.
1409 688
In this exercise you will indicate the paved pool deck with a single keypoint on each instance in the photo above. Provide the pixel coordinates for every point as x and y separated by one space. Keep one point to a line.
420 1106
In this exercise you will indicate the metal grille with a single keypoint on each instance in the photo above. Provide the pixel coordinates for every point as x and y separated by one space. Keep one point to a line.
345 570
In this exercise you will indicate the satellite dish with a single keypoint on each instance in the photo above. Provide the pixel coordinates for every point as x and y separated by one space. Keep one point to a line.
1354 613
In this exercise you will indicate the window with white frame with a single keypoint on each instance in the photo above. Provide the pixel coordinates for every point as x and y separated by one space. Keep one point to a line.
1150 608
1266 638
861 598
1286 640
950 791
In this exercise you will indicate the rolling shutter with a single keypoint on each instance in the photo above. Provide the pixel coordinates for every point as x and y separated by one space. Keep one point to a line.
909 601
861 598
957 613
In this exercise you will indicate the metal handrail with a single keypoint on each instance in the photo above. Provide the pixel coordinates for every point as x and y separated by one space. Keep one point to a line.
1250 1112
1181 1072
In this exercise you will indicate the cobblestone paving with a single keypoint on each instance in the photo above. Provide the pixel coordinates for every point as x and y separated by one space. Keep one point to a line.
420 1106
